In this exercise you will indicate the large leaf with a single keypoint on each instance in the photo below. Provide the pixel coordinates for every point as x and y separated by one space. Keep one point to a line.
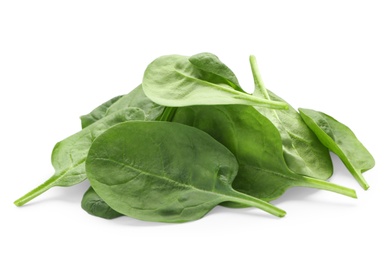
68 156
257 145
162 171
174 81
342 141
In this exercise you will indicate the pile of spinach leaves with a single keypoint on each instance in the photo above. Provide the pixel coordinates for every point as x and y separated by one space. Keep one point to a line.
190 138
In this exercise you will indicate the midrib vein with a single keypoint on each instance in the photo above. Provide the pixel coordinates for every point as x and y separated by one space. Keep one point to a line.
161 177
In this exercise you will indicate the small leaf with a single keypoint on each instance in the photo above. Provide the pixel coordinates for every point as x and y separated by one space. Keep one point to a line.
342 141
219 72
94 205
68 156
137 98
98 113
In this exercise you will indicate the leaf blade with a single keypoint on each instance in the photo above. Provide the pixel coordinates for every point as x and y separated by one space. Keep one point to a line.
173 81
342 141
156 182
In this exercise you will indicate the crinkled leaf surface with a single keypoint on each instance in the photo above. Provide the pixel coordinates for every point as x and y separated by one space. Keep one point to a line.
257 145
94 205
137 98
174 81
98 113
68 156
162 171
342 141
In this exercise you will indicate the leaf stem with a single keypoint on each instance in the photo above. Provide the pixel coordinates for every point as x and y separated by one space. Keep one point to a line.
324 185
260 89
256 101
36 191
359 178
168 114
257 203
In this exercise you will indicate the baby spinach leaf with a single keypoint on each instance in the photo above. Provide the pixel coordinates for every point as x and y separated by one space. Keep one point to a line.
218 71
97 113
68 156
162 171
342 141
257 145
303 152
94 205
137 98
174 81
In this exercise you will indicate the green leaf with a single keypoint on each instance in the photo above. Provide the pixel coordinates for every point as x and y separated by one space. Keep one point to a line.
95 206
257 145
342 141
98 113
174 81
137 98
218 71
303 152
68 156
162 171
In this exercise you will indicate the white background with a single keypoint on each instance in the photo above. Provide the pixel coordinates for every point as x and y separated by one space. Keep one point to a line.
60 59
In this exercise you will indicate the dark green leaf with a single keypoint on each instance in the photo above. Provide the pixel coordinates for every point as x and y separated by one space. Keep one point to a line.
95 206
257 145
98 113
162 171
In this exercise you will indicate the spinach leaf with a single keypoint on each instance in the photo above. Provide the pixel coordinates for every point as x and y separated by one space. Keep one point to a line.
342 141
218 72
257 145
94 205
302 151
162 171
174 81
97 113
68 156
137 98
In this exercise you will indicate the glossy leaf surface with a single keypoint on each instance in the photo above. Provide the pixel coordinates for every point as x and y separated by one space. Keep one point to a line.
162 171
174 81
342 141
257 145
68 156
